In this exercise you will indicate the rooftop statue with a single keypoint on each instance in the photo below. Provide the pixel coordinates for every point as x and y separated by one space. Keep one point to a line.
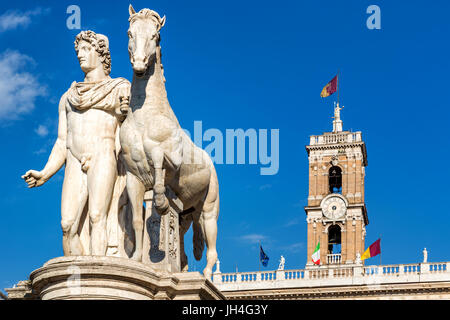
281 265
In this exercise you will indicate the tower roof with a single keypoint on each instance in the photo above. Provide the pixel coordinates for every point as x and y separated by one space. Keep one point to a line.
338 139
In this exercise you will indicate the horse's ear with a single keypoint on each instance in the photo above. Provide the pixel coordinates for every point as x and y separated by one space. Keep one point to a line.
163 21
131 10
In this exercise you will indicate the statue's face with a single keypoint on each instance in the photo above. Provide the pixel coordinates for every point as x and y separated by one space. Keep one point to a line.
142 44
88 57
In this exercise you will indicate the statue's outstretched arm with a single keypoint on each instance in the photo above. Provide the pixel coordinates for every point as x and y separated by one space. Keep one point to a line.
58 155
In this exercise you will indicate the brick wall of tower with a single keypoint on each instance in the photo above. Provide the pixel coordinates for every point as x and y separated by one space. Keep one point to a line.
314 234
323 245
313 182
310 241
352 240
351 161
352 179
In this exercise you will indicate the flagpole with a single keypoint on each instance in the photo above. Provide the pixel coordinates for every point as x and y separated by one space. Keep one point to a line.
259 256
380 249
338 87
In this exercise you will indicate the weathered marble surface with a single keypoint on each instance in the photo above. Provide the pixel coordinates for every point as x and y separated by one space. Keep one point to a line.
90 113
158 153
111 278
119 142
122 146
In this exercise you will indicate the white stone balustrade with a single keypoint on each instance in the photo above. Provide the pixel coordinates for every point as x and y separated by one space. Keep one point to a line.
343 137
334 258
329 275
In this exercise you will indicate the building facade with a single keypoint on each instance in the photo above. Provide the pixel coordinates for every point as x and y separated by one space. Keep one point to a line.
336 218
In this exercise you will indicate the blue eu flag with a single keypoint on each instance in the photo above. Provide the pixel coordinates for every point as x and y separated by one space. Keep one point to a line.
263 257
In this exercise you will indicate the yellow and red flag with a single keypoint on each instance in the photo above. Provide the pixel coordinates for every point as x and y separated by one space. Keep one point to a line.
373 250
330 88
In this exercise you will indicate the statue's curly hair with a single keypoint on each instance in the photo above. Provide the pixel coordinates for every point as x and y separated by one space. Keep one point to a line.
100 43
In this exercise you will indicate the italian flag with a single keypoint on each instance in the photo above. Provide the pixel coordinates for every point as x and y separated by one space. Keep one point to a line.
316 255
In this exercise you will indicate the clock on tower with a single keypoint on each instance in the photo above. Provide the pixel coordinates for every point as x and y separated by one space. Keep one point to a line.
336 211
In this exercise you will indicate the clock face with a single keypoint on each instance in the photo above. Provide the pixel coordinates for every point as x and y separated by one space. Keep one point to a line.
334 208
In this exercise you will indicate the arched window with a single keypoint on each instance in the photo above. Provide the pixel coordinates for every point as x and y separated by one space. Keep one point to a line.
334 239
335 179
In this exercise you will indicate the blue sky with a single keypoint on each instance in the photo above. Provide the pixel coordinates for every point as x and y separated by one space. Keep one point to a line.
248 64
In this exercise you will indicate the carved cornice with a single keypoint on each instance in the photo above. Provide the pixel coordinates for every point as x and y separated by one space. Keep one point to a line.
340 146
350 206
386 291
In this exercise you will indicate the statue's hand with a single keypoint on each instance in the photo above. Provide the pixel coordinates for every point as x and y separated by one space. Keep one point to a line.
124 105
34 178
124 110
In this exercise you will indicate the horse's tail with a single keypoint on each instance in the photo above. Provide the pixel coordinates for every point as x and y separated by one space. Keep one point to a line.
186 218
198 240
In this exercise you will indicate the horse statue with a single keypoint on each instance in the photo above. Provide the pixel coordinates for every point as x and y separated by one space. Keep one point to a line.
157 151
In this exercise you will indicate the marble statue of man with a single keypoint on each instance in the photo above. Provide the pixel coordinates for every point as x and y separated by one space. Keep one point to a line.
358 258
89 118
281 265
337 111
425 255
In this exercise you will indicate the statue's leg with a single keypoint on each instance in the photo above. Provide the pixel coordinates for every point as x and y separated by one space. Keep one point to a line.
73 201
161 202
185 223
209 226
136 190
208 223
101 178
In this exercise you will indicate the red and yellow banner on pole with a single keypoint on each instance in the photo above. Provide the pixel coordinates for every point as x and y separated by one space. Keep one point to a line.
330 88
373 250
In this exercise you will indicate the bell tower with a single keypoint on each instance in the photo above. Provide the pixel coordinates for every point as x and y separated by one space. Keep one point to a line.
336 211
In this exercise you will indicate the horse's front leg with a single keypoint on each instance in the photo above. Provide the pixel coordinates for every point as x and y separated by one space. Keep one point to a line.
161 202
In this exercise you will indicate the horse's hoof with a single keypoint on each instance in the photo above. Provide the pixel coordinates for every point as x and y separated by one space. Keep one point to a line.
162 211
161 204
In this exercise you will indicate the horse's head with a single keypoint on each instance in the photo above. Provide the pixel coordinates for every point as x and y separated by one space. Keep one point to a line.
144 38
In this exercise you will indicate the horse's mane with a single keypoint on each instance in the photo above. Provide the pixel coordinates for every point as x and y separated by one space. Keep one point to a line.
147 14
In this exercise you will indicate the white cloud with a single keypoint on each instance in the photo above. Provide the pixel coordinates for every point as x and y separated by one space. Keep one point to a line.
253 238
294 248
40 151
42 131
292 222
11 20
18 89
265 186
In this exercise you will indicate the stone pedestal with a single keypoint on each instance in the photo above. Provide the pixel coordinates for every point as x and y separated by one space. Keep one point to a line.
111 278
161 247
21 291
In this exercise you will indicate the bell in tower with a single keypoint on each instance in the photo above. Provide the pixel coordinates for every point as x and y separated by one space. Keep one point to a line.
334 235
335 179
